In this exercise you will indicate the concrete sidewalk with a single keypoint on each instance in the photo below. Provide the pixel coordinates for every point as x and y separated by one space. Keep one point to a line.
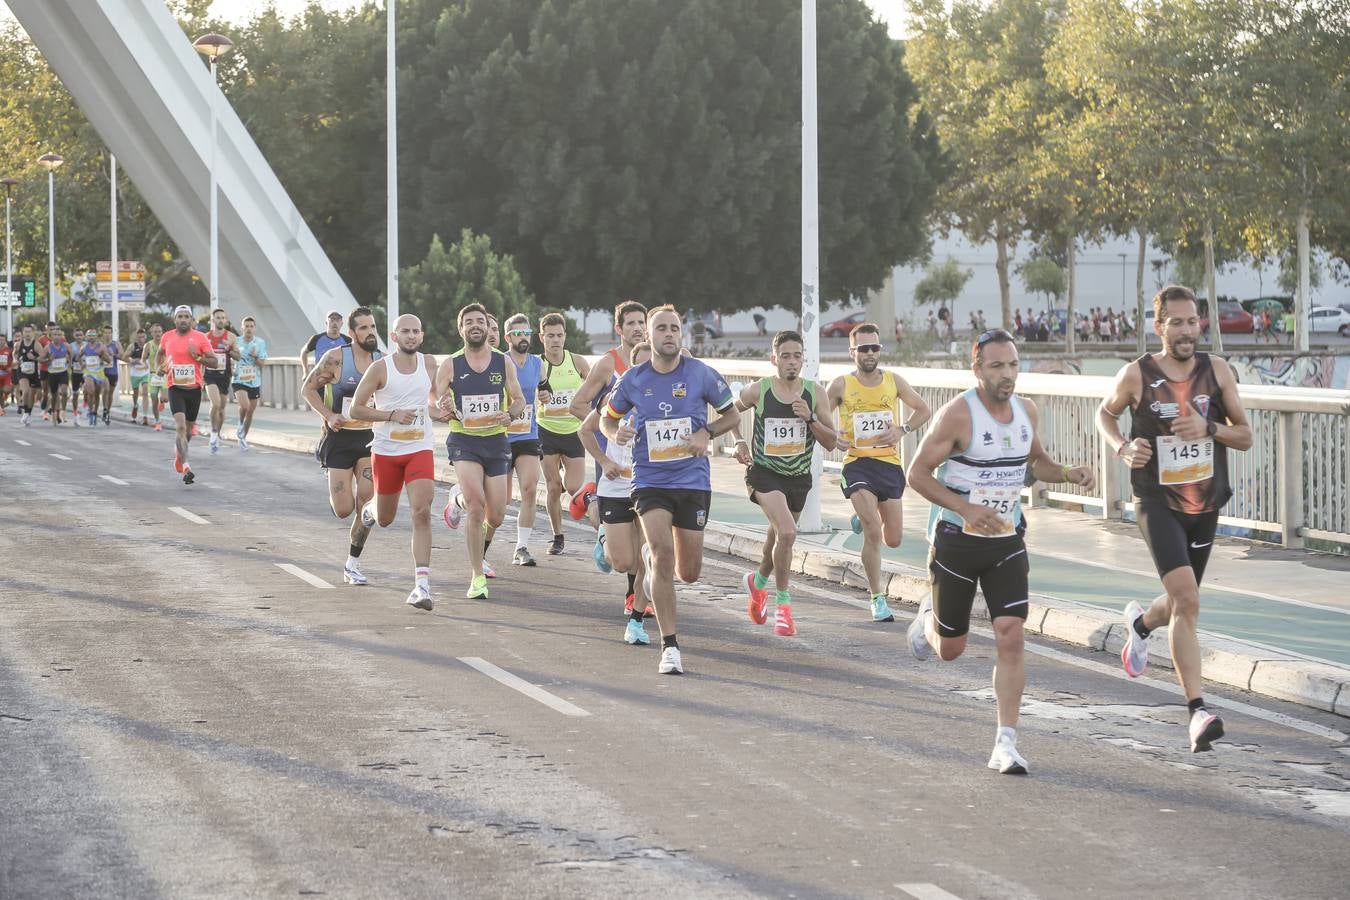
1272 621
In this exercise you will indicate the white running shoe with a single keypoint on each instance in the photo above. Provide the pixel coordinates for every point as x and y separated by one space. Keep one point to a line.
353 575
215 443
1134 655
670 662
453 513
368 515
917 633
1205 729
420 597
488 571
1005 758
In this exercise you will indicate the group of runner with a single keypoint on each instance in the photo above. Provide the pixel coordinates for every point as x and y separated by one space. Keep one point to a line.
646 414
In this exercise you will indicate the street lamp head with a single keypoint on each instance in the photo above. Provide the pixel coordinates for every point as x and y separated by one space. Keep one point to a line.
9 182
213 46
50 161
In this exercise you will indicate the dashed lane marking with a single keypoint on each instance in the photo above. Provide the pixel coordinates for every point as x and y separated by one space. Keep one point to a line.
926 892
59 456
114 480
22 441
300 573
516 683
191 517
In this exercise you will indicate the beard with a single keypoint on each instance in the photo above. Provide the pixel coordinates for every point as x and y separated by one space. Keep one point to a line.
790 376
370 344
475 344
868 366
522 347
1181 350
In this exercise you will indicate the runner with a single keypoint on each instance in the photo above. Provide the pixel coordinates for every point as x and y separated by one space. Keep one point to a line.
247 382
564 460
621 537
26 354
139 371
57 353
792 414
184 353
494 335
867 401
672 485
1185 414
344 449
113 355
523 434
982 445
43 340
326 340
473 384
226 348
93 360
6 372
395 394
159 391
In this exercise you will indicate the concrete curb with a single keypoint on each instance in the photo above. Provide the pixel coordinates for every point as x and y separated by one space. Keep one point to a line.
1226 662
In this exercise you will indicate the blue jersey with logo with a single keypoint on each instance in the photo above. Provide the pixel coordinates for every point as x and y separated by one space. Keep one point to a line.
529 376
666 409
114 350
247 370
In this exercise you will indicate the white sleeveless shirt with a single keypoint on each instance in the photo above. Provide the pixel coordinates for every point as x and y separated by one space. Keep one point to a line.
991 470
402 391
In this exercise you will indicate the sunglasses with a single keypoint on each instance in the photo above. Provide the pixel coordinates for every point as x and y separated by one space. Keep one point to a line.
520 332
992 334
868 348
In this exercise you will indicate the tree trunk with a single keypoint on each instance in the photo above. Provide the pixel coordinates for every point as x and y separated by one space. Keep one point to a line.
1302 295
1141 336
1215 334
1070 334
1001 266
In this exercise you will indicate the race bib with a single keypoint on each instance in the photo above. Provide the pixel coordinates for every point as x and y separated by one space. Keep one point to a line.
480 410
558 404
140 369
183 375
58 364
77 364
415 431
1184 462
869 426
622 455
93 362
4 359
220 360
667 439
523 424
784 437
245 373
1003 501
28 367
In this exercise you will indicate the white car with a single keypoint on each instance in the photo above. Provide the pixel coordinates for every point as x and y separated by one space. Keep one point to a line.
1330 318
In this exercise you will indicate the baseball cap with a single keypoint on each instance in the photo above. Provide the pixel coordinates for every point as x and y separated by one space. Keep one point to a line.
183 308
333 312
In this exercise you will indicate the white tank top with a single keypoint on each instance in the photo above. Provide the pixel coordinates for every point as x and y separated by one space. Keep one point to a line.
620 488
991 470
402 391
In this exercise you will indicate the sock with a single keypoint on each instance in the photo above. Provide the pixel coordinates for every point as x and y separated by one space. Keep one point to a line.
1139 628
781 598
636 615
760 582
1195 705
355 552
352 562
668 640
523 535
487 542
423 575
1006 733
632 580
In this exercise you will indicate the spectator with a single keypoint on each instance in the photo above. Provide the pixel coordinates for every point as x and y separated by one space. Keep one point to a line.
324 341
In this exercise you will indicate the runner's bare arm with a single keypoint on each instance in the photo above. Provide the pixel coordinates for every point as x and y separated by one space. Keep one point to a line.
1124 394
948 435
590 426
1238 432
749 396
823 426
513 392
596 379
834 395
327 372
445 398
371 382
1044 467
233 351
919 410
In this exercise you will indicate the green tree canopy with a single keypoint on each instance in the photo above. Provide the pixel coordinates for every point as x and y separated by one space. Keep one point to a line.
942 283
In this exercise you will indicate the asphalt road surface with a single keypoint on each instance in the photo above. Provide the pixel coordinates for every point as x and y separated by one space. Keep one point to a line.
181 716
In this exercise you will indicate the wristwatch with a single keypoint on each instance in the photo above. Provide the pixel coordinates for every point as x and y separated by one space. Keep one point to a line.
1211 429
906 428
708 428
812 420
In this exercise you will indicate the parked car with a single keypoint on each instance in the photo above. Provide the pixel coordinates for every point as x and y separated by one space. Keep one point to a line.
711 322
841 327
1233 319
1330 318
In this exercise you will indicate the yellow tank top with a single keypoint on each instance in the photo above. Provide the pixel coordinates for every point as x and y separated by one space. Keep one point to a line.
866 412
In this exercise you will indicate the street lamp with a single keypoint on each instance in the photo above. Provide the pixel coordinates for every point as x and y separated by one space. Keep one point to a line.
1124 305
9 184
390 169
51 162
213 46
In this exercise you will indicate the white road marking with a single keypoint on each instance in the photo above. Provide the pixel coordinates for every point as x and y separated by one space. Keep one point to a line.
59 456
114 480
191 517
300 573
516 683
926 892
22 441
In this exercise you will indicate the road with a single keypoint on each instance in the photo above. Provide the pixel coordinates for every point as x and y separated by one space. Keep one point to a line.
182 717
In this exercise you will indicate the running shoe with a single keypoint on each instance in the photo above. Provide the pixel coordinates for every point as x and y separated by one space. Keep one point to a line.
75 420
478 589
420 597
25 418
635 633
1206 728
556 548
106 421
670 664
159 426
1005 759
353 575
177 462
188 477
215 442
917 633
1134 655
598 554
881 610
368 515
522 557
783 626
488 571
196 432
581 500
243 438
46 416
856 524
145 421
452 513
647 612
758 598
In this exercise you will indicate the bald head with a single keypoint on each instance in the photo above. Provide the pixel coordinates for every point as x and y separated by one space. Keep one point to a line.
407 333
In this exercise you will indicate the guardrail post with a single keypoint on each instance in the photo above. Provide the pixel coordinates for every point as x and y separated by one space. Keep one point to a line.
1110 470
1289 454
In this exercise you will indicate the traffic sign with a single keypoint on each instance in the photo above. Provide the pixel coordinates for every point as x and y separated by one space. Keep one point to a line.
122 295
122 305
125 265
26 288
131 284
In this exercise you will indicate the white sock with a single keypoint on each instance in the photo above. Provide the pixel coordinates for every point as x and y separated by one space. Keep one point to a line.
1009 733
423 576
353 562
523 535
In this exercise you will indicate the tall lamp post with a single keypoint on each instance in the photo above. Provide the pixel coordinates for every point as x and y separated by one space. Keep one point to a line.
810 518
213 46
51 162
391 170
9 184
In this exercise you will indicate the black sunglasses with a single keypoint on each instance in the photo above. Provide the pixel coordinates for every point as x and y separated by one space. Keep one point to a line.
993 334
868 348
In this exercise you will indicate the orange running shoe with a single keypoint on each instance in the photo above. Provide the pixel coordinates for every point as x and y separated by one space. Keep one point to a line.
782 621
159 427
177 462
758 597
581 500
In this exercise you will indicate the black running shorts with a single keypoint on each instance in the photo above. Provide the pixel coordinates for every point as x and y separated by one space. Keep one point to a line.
959 562
688 509
187 401
759 480
568 445
344 448
1176 539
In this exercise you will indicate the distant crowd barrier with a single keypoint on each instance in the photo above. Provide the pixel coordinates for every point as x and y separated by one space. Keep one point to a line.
1291 487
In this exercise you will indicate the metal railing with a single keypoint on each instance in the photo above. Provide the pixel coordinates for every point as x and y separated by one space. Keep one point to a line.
1293 484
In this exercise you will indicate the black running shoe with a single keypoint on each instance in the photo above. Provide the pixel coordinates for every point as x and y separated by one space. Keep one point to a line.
187 476
556 548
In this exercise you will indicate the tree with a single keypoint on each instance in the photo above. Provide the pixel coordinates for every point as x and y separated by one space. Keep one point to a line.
1290 272
942 283
1042 275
